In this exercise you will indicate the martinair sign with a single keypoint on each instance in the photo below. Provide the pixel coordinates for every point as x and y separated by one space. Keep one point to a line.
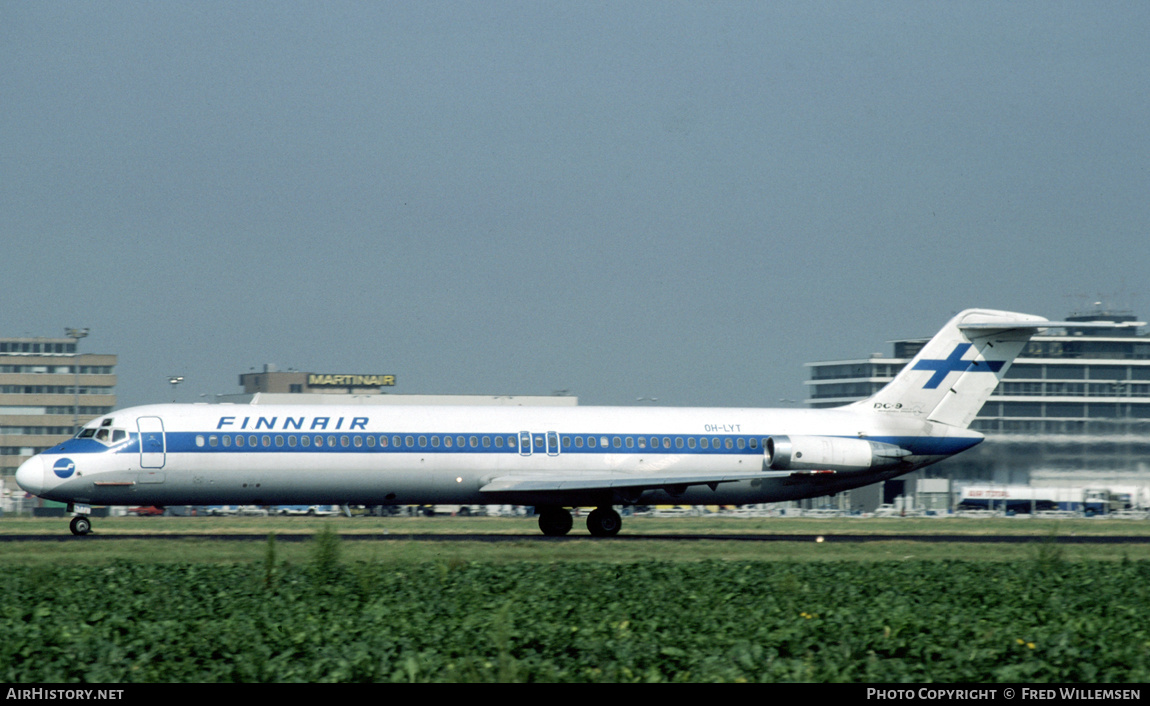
322 380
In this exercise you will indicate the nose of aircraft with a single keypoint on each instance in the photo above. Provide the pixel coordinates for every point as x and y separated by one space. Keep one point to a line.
30 475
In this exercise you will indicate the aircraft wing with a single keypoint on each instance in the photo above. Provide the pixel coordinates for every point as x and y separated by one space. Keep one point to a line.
613 480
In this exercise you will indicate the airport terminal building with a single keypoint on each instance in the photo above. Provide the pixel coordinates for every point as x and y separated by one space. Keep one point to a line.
274 386
1073 409
275 381
47 390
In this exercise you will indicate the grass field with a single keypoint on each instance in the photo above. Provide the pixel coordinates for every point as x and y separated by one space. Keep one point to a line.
529 545
713 524
303 600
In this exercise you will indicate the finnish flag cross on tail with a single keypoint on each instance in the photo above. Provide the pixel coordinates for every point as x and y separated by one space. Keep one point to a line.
953 375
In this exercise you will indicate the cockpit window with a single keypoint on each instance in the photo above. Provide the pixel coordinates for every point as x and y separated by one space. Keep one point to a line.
103 434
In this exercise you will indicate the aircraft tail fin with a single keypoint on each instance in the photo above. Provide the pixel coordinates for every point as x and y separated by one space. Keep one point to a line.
953 375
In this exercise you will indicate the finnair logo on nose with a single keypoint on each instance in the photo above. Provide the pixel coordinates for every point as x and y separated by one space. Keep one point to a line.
64 468
955 364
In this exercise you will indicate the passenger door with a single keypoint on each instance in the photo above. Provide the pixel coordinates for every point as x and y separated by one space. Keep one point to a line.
153 448
538 442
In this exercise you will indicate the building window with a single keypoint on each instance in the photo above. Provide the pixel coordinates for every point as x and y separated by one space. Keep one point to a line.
1065 409
1028 372
1021 409
1065 389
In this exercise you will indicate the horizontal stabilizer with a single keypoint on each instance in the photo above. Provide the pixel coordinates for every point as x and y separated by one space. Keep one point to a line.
1037 325
955 373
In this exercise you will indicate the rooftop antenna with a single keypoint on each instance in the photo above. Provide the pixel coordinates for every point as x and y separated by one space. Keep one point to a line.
174 380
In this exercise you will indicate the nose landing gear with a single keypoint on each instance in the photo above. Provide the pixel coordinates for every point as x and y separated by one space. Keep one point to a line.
80 525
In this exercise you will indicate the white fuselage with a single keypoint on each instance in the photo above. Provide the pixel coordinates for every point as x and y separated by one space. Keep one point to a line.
380 455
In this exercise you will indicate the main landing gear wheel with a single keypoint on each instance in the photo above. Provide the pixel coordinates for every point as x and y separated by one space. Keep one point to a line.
554 521
80 525
604 522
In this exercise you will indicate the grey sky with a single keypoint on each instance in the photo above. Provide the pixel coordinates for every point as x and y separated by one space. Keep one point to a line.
627 199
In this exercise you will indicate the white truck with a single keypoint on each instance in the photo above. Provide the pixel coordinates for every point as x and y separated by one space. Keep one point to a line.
1026 499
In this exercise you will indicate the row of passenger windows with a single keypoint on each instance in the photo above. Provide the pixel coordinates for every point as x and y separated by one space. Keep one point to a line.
358 441
665 442
473 442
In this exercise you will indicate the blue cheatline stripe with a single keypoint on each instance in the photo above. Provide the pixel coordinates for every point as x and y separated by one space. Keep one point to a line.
432 442
200 442
186 442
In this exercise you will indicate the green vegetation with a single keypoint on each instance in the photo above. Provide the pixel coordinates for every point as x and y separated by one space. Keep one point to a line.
1042 620
313 603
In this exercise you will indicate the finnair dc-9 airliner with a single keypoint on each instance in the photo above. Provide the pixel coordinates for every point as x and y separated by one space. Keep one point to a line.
552 458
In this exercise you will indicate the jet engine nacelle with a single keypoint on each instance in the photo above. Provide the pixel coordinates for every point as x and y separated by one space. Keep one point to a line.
831 453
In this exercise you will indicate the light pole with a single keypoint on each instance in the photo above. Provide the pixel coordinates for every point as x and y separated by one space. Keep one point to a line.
174 380
76 334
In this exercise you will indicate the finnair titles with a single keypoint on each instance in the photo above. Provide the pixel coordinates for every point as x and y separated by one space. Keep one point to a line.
297 423
552 458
